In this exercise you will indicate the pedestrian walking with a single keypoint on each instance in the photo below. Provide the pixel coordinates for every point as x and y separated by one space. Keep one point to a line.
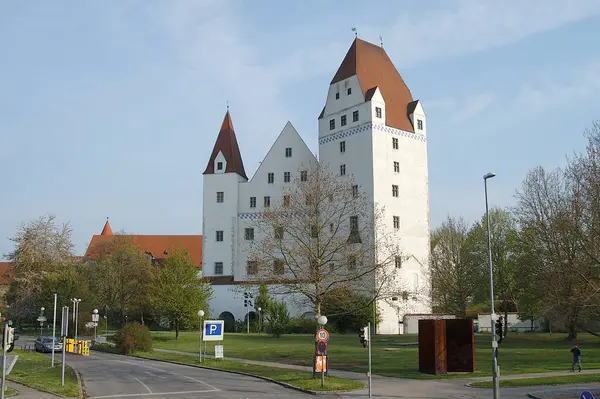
576 357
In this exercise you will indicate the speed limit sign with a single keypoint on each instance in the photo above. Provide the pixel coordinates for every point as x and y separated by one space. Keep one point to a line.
323 335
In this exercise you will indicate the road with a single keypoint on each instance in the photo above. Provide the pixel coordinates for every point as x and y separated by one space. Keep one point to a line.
114 376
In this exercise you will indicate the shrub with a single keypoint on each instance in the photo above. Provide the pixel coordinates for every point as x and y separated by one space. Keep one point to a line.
278 317
133 337
301 325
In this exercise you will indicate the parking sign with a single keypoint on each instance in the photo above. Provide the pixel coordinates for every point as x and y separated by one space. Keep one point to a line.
213 330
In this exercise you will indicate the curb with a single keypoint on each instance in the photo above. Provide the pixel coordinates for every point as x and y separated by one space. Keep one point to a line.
80 385
283 384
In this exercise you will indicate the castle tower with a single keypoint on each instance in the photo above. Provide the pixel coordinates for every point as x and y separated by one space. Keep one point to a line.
224 172
372 128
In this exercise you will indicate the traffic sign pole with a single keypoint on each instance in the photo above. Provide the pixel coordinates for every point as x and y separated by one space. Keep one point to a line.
369 344
53 330
4 346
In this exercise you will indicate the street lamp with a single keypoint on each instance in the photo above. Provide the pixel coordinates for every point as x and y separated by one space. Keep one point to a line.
76 302
322 320
41 319
496 385
95 319
201 316
106 325
259 319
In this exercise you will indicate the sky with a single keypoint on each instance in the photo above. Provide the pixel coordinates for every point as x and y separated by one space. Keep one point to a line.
111 109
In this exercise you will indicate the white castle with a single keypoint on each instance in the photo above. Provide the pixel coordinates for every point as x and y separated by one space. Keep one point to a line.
373 129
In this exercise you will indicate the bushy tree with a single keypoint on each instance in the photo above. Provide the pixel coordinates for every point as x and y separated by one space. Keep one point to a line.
347 310
278 317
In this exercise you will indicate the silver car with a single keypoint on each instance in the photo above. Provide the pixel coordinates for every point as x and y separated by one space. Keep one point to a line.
44 344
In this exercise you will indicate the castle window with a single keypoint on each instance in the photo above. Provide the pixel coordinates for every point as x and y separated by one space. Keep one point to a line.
398 261
286 177
331 267
343 120
349 90
332 124
352 262
252 202
219 165
394 190
251 267
219 235
271 178
337 95
396 166
220 196
394 143
288 152
342 146
331 227
218 267
286 200
355 116
354 237
354 224
304 175
396 222
278 232
278 266
249 234
314 231
267 202
378 112
419 124
342 170
355 191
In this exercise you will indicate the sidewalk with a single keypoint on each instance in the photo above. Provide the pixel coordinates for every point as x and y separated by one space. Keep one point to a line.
29 393
533 375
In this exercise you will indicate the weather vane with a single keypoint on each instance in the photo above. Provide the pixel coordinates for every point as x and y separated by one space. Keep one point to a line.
355 32
381 41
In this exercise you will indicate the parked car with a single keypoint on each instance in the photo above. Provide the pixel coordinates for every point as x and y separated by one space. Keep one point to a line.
16 333
44 344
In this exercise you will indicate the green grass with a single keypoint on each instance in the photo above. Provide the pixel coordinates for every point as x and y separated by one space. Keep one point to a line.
518 354
8 392
301 379
529 382
33 369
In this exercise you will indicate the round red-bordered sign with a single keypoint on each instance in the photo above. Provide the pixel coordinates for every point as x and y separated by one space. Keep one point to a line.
321 346
323 335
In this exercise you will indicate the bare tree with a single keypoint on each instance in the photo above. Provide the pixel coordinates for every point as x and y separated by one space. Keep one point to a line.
455 272
41 248
324 234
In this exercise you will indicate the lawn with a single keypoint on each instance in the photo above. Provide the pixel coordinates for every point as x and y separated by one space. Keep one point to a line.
519 353
33 369
529 382
301 379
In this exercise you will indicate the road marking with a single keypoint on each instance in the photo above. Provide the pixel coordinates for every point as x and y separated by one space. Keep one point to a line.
140 364
138 380
154 375
131 395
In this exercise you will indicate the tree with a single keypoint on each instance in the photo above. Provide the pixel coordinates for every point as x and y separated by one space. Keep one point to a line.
278 317
503 233
323 234
41 249
120 275
335 306
262 302
455 273
549 213
178 291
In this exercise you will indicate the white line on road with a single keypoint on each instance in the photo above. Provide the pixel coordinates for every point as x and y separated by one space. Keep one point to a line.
166 371
154 375
131 395
138 380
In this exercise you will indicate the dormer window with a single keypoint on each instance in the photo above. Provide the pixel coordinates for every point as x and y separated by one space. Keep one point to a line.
378 112
349 90
332 124
219 165
419 124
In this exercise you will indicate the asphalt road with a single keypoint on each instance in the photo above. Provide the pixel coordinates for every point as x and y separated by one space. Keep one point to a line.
113 376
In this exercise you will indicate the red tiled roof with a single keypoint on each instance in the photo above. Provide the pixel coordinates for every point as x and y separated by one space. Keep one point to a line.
157 245
5 273
371 64
228 145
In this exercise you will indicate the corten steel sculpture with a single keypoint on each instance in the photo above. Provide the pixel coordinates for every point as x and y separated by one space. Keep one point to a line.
446 346
432 347
460 345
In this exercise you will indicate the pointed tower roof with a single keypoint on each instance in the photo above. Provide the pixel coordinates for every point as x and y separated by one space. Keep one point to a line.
228 145
373 68
107 230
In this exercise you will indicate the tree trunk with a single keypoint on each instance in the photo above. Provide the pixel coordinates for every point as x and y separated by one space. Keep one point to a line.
572 331
177 330
505 316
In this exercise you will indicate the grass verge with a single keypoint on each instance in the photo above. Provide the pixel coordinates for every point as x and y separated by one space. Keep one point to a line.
300 379
8 392
530 382
33 369
519 353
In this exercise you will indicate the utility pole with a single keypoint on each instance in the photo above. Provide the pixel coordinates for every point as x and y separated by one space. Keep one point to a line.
54 330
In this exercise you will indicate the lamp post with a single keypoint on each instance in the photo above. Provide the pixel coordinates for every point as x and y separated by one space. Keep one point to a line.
322 320
106 325
76 302
201 316
95 319
41 321
496 385
259 320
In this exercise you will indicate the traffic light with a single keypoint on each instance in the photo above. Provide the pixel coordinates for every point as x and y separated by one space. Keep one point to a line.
363 334
499 330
